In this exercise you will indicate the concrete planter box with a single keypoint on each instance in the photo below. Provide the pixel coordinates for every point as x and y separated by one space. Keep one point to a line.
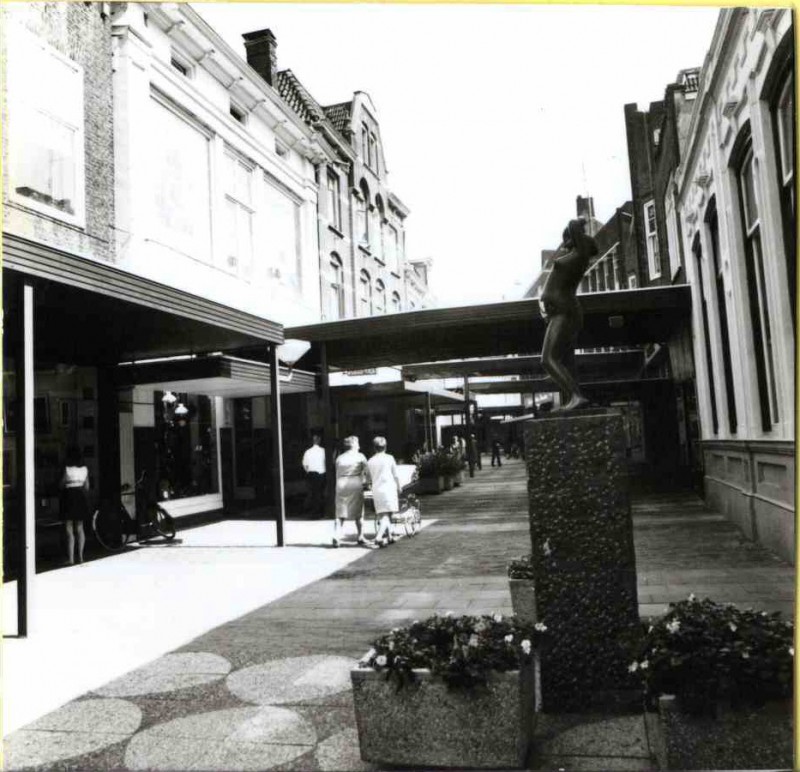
458 478
523 599
448 482
430 485
425 724
746 738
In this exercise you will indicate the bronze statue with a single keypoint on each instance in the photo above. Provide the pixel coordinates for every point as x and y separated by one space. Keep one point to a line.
562 311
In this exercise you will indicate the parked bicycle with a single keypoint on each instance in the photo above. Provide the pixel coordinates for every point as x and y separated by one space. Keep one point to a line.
114 527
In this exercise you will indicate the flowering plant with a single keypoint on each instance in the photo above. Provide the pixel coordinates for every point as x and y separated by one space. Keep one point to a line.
704 652
448 462
426 464
461 650
521 568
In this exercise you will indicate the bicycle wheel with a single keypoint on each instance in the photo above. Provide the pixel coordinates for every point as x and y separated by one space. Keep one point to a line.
164 523
109 529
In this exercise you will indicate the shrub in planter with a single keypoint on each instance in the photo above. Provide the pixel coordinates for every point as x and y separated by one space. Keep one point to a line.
448 691
520 584
721 679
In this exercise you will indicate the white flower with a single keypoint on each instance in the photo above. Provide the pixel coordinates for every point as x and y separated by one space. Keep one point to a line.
644 664
391 645
480 627
546 548
368 656
673 626
380 661
732 626
498 617
745 655
633 667
473 641
650 629
540 626
692 597
526 646
791 651
449 614
508 638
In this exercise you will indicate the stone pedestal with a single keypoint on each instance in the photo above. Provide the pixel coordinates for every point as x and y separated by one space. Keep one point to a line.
583 558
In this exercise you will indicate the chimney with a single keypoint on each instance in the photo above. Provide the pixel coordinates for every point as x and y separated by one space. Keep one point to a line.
262 56
585 207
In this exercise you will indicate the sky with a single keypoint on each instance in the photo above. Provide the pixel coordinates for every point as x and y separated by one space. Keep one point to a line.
493 118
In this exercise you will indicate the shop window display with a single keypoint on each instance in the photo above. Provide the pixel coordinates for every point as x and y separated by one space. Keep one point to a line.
186 451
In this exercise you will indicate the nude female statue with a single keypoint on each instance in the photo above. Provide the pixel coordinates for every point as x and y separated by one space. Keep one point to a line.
561 309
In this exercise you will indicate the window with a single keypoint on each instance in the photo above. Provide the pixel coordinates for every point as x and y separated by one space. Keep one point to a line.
363 216
180 160
365 143
697 250
396 303
364 295
334 200
673 242
283 246
238 215
783 120
181 64
238 114
336 289
722 310
759 305
373 152
45 128
633 281
379 305
651 237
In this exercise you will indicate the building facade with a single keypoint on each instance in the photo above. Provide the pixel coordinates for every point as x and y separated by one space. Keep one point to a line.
735 200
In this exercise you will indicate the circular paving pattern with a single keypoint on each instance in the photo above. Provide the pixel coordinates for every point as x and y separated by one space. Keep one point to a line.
168 673
294 679
255 738
341 751
77 728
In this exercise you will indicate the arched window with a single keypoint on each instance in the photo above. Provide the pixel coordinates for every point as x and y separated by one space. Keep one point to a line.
379 303
396 303
335 308
747 173
364 294
363 215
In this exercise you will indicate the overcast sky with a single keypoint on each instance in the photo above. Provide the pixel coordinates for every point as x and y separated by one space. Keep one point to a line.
493 118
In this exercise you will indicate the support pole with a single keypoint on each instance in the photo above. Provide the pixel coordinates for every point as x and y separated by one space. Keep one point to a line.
468 429
26 555
429 431
277 443
327 429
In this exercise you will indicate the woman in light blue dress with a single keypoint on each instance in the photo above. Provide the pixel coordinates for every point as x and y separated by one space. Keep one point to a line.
350 471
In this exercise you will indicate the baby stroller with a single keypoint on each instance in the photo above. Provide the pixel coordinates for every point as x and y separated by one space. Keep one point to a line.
408 519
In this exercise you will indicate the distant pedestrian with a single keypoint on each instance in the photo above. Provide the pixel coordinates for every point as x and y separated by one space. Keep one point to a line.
382 474
476 451
74 503
314 467
496 447
351 467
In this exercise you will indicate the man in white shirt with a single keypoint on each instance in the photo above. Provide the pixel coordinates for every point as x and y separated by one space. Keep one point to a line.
314 467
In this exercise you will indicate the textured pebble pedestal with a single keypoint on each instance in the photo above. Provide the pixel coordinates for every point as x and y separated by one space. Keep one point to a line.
583 558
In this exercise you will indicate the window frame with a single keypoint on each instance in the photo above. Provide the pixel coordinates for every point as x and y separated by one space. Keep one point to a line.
33 102
334 188
336 289
651 240
239 268
364 294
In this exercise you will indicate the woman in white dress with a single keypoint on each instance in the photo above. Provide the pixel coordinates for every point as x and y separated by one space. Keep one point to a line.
351 467
382 473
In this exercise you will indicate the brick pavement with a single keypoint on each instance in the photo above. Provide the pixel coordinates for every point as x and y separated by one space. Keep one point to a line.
270 689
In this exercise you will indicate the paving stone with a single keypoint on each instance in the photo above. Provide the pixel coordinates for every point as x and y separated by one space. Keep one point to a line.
341 752
169 673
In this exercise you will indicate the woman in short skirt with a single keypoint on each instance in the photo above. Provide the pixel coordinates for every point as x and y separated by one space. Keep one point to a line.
74 507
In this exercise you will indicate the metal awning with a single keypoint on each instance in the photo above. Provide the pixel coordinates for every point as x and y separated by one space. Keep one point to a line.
91 313
588 363
411 393
623 318
220 376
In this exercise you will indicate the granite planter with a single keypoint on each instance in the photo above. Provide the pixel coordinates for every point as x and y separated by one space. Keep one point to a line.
458 478
425 724
523 599
430 485
744 738
448 482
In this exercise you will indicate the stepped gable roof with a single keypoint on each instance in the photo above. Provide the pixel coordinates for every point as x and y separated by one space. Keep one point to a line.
298 98
339 116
